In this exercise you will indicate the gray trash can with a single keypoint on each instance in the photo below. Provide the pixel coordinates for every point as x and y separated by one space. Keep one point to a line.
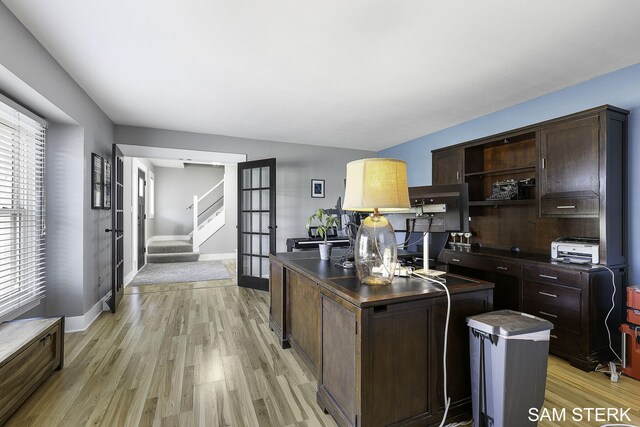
509 353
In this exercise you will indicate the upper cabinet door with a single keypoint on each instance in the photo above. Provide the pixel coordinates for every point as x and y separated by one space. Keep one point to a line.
570 159
447 167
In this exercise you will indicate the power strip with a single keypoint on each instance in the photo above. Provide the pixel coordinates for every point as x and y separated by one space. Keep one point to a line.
404 271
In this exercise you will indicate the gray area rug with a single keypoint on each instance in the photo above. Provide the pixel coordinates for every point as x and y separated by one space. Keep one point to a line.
179 272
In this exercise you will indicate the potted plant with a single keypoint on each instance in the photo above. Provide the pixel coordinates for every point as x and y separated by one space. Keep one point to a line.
326 222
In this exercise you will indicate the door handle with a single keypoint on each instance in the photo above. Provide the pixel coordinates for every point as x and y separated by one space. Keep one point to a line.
109 230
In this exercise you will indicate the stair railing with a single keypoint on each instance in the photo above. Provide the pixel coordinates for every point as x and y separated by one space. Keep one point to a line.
197 213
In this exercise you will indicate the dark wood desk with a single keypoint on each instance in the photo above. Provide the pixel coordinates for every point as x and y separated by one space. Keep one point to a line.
376 351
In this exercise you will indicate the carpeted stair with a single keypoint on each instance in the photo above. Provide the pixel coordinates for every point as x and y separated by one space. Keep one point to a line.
171 251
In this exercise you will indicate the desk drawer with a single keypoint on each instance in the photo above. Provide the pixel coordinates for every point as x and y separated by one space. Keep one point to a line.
483 263
564 341
564 276
555 296
560 317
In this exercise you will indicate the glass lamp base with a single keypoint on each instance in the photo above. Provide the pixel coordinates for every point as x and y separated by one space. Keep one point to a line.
376 251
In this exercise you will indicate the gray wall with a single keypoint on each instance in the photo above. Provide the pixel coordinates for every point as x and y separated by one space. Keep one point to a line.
65 188
69 292
175 188
297 164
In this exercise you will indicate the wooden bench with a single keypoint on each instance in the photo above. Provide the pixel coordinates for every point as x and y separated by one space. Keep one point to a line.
30 350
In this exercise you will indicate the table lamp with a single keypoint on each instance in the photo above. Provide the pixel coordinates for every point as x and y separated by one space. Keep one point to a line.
375 185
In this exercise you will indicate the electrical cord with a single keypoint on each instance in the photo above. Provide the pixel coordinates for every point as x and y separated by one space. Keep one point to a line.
411 230
613 305
447 399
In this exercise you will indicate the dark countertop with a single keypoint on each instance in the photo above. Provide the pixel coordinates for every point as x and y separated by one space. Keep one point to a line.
521 257
345 284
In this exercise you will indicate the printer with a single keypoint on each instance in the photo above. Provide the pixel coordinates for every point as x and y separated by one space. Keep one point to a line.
577 250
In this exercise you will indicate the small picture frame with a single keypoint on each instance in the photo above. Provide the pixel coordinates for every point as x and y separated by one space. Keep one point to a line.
106 193
97 175
317 188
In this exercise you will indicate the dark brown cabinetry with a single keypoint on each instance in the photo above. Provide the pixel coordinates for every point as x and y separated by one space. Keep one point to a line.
505 275
379 349
576 299
277 320
447 167
303 300
579 167
569 155
577 303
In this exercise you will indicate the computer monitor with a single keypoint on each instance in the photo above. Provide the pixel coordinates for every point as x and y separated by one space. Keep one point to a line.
445 206
440 209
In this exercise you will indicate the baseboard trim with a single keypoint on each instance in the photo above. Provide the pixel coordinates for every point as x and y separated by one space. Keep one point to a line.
210 257
164 238
129 277
81 323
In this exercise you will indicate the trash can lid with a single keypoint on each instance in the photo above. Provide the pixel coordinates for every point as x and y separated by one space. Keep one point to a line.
508 323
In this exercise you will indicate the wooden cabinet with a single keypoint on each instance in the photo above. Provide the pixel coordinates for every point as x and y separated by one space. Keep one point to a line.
576 299
559 297
579 166
31 350
569 156
277 320
373 365
504 274
339 374
303 328
447 167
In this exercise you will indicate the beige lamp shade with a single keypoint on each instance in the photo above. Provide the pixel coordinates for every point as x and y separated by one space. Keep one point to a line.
376 183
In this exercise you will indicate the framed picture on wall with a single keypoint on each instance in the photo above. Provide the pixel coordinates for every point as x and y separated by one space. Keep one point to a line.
317 188
106 189
97 171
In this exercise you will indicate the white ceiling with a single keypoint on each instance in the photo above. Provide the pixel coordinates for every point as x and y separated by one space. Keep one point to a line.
364 74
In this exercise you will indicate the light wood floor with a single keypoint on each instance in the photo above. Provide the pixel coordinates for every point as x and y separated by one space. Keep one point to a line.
202 354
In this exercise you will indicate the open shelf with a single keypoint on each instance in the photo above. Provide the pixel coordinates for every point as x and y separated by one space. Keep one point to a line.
503 171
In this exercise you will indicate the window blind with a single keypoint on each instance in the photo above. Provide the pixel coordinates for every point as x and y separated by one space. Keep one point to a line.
22 209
